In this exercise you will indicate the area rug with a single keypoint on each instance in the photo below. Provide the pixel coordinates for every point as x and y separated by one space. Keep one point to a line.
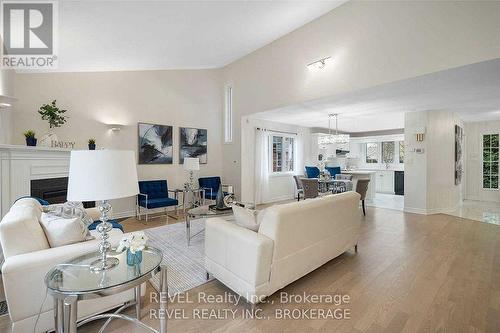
185 264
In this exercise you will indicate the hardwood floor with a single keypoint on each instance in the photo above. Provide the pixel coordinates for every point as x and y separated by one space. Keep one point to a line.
413 273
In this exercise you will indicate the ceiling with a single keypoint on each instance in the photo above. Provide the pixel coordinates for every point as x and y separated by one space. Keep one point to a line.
147 35
473 91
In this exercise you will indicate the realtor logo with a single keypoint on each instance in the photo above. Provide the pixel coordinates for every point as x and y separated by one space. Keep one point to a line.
29 34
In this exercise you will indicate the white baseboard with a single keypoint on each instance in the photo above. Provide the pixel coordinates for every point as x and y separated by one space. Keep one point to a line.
432 211
122 215
280 198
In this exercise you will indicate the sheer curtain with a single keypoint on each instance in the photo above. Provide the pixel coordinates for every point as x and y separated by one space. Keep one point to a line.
261 178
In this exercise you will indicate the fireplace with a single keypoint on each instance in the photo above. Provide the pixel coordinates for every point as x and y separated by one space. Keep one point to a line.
53 190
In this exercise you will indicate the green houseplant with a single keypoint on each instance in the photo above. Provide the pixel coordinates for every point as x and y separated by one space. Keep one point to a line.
30 138
91 144
55 117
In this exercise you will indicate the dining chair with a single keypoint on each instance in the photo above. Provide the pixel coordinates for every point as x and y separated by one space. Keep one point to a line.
311 188
300 187
312 172
362 188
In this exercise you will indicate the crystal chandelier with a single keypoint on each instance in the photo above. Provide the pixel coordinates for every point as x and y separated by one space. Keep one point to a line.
333 138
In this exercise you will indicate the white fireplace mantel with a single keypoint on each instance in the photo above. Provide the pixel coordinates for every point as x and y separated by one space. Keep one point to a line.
21 164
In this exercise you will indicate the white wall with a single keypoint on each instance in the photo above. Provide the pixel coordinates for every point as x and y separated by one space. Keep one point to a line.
177 98
473 161
281 187
429 176
371 42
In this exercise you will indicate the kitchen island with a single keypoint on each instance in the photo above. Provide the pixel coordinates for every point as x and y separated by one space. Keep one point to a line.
364 174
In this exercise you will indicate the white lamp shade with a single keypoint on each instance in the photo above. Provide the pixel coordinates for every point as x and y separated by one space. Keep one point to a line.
191 163
96 175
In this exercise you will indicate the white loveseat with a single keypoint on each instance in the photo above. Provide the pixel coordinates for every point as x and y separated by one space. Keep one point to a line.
28 257
293 240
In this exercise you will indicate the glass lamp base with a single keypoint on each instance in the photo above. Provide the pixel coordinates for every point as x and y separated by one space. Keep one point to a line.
100 265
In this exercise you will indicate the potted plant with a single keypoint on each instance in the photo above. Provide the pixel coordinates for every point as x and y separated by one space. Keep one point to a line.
30 138
91 144
55 117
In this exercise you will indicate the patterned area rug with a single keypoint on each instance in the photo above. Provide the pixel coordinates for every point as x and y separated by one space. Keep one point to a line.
185 264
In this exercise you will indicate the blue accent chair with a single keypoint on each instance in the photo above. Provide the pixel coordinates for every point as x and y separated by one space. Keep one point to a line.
154 194
333 171
312 172
210 185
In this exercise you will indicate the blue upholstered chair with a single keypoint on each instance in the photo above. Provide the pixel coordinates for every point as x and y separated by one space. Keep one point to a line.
312 172
154 194
333 171
210 185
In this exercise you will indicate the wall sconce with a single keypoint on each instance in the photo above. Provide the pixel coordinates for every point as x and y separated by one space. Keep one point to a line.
319 64
419 134
115 127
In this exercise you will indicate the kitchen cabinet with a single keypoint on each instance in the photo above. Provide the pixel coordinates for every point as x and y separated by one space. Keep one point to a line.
385 181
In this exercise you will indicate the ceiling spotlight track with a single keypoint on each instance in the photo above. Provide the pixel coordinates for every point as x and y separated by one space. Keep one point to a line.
319 64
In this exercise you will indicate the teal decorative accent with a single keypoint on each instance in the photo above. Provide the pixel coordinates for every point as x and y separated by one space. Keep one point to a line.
134 258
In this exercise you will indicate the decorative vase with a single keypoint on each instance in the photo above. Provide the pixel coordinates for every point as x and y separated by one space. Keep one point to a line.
219 200
91 146
134 258
46 140
31 142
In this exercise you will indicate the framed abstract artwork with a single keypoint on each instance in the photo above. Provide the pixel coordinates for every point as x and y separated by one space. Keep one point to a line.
193 143
155 144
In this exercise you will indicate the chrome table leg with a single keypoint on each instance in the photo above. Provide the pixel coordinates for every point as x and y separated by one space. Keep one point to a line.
137 296
163 299
58 315
70 314
188 229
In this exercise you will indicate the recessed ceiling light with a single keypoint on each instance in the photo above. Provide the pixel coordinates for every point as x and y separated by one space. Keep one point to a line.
319 64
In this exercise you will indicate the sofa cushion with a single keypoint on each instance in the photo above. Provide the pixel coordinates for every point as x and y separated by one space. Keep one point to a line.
20 229
63 231
246 218
158 203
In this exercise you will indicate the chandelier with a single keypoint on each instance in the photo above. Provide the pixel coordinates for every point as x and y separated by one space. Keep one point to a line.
333 138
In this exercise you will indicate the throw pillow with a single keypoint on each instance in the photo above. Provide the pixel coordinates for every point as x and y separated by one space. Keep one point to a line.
246 218
63 231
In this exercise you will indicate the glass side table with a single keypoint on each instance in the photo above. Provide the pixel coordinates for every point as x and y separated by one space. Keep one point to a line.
197 199
73 281
202 212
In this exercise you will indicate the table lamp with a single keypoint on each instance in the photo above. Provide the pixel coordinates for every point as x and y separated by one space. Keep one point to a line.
102 175
191 164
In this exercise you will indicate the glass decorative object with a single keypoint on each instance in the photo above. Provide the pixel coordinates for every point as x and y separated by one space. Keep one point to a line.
134 258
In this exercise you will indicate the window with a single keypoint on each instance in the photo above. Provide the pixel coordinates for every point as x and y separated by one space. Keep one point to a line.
490 161
401 151
372 153
388 152
228 115
283 153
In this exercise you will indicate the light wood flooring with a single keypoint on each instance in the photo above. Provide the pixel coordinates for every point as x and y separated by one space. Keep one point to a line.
412 273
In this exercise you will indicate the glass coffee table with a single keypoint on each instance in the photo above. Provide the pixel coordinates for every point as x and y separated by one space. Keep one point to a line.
202 212
74 280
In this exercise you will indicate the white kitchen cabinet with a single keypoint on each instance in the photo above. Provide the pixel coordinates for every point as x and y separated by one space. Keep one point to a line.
385 181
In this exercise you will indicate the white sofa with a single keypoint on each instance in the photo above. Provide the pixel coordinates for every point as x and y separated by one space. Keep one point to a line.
293 240
28 257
